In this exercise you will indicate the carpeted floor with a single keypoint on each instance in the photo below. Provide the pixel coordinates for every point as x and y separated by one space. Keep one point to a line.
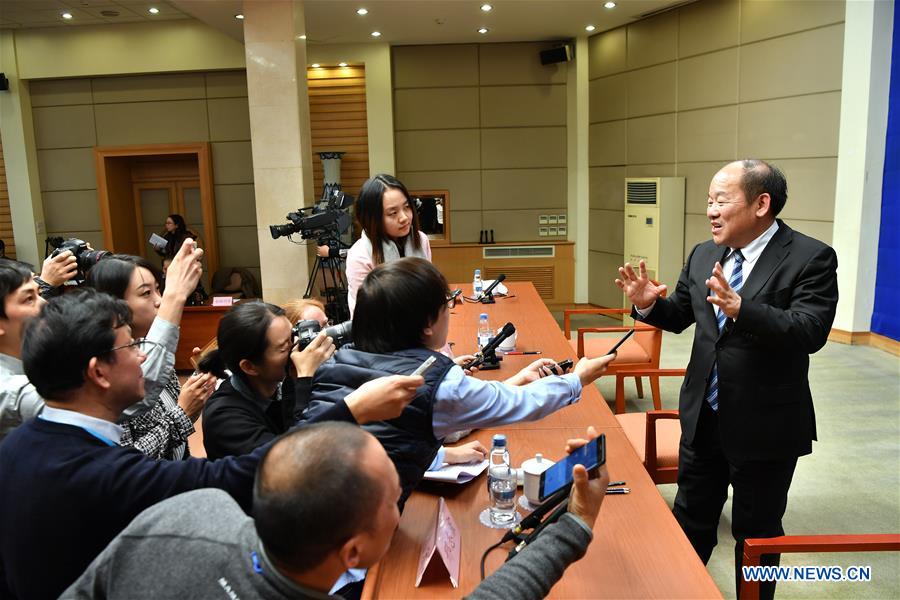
850 483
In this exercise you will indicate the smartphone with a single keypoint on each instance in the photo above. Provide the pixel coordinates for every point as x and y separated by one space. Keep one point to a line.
424 366
591 455
561 367
621 341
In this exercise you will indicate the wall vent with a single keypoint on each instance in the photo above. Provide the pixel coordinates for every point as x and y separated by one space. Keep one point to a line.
519 251
541 277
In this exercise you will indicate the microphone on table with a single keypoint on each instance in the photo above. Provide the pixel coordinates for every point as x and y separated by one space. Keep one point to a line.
488 353
538 513
553 518
487 297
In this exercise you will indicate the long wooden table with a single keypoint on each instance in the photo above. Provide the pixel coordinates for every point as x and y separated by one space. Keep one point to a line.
638 551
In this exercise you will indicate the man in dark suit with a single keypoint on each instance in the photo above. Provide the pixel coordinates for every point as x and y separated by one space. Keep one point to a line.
763 298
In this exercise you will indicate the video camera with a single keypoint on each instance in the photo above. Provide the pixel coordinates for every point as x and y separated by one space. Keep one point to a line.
305 332
325 220
85 257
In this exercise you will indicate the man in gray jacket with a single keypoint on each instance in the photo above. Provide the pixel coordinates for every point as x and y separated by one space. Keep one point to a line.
325 501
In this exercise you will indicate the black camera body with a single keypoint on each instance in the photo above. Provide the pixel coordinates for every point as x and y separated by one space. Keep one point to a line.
85 258
305 332
327 219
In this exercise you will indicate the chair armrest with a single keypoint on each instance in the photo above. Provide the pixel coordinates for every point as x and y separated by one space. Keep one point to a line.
650 436
588 311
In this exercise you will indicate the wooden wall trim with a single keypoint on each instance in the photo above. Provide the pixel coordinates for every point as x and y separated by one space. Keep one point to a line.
6 228
865 338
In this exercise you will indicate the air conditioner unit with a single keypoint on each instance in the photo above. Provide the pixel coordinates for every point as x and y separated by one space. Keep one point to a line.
654 226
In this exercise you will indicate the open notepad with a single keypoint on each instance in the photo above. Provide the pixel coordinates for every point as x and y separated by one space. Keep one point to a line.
457 473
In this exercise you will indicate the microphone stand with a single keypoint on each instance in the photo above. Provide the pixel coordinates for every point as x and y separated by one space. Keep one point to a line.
487 297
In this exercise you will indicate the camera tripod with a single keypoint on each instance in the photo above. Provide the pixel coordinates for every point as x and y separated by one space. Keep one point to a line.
334 287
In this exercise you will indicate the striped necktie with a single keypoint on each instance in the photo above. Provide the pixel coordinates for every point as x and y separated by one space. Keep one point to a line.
735 282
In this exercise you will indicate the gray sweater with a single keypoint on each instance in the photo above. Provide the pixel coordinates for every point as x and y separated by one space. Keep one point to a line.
201 545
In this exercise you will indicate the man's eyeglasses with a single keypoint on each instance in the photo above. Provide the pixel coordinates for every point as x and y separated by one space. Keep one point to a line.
451 298
143 345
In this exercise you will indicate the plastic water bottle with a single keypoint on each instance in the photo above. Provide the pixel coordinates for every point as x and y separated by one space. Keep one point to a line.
501 483
477 284
484 331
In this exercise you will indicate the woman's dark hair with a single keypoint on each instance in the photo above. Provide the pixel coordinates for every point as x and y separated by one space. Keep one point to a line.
71 329
180 225
175 239
370 213
13 275
242 334
113 274
395 304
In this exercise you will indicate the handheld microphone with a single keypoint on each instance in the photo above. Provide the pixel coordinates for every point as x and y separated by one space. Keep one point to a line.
538 513
492 345
494 284
553 518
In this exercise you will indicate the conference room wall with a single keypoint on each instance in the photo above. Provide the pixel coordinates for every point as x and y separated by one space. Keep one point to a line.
487 122
686 91
71 116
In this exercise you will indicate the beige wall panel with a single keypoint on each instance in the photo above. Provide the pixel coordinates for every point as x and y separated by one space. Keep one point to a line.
77 210
523 147
607 229
151 122
762 20
69 169
697 177
436 108
515 189
465 226
602 290
455 149
514 225
608 97
238 247
657 170
435 66
707 26
59 92
464 187
707 134
608 53
821 230
511 64
226 84
696 231
652 91
801 127
92 237
651 139
708 80
523 106
811 188
144 88
607 143
229 119
64 127
802 63
232 162
607 188
653 41
235 205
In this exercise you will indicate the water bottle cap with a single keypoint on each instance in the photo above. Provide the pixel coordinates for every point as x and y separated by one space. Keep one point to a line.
484 315
499 439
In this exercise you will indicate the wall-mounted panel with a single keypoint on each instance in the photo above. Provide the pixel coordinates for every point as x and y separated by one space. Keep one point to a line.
146 88
523 106
523 147
71 210
451 149
435 66
697 177
235 205
707 26
708 80
64 127
436 108
151 122
607 229
518 64
60 92
229 119
708 134
238 247
465 226
602 290
607 188
607 143
524 189
763 20
464 186
652 41
696 231
232 162
608 98
651 139
811 188
226 84
803 63
67 169
608 53
651 170
514 225
652 91
790 127
821 230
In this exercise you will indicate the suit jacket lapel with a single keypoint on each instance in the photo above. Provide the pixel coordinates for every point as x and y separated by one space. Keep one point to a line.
771 257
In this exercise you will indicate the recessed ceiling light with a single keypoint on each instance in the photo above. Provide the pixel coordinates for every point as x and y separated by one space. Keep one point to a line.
486 7
362 12
239 17
66 15
483 30
301 37
609 5
590 28
316 65
376 34
343 64
153 10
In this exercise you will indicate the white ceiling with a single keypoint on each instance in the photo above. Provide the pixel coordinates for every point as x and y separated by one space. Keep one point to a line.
19 14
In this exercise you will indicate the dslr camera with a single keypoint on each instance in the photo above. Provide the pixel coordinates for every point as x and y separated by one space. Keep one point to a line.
326 219
305 332
85 258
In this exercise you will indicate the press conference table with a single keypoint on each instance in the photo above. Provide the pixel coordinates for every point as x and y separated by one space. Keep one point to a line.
638 551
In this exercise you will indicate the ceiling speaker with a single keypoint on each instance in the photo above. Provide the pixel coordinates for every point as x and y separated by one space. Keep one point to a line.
557 55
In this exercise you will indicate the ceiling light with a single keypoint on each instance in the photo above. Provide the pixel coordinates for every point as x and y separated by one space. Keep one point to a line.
239 17
376 34
486 7
483 30
590 28
316 65
343 64
153 10
362 12
301 37
66 15
609 5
